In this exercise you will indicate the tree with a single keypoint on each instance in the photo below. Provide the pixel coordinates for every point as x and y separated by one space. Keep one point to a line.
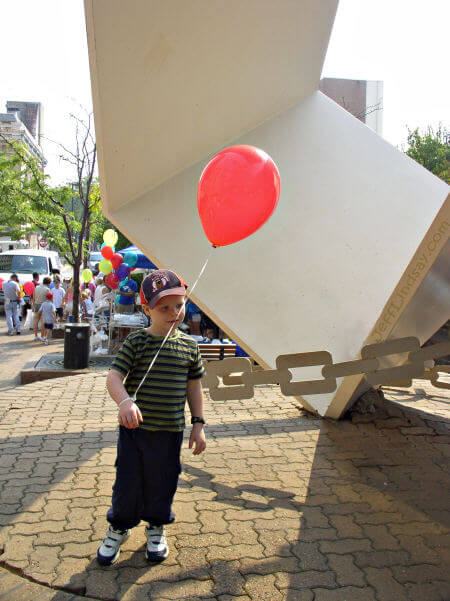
432 150
69 215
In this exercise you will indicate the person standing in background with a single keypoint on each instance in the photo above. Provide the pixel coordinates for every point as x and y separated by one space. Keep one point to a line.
11 290
90 287
58 295
127 293
47 312
39 297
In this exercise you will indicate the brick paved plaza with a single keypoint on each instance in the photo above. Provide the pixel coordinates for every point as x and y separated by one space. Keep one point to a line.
281 506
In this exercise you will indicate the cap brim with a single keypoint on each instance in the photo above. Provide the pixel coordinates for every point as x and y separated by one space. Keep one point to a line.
181 291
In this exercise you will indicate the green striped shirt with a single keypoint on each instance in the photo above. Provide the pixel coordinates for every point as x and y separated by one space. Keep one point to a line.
162 396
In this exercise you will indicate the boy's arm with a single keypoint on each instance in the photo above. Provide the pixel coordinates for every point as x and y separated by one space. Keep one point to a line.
194 393
129 413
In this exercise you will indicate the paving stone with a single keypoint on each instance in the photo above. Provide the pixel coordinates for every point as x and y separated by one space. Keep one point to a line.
387 588
347 574
309 556
308 579
438 591
234 552
346 526
345 593
420 574
345 546
183 589
262 588
102 584
269 565
233 598
379 559
227 578
380 537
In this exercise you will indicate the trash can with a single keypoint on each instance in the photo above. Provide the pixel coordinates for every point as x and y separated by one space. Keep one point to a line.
76 345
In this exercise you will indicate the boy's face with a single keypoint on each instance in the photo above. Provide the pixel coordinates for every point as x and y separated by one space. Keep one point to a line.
164 313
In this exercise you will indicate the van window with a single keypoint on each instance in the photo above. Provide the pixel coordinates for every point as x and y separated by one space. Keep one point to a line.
23 263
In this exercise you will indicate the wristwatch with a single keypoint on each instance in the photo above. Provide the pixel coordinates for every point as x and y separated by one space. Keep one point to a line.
197 420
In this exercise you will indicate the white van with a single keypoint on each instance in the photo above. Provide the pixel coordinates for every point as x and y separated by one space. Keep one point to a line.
25 262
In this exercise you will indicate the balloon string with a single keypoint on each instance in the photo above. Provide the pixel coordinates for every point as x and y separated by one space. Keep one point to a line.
133 397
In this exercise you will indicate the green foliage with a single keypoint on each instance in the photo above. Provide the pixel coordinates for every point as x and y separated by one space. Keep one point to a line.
137 277
122 241
432 150
30 204
67 215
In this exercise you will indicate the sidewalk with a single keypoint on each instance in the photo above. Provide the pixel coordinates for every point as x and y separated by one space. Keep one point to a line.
281 506
20 352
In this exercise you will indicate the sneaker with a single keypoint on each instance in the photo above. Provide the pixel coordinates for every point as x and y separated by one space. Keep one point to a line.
157 549
18 332
37 338
109 550
9 333
45 341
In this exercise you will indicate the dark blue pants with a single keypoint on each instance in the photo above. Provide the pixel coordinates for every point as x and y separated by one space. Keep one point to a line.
148 466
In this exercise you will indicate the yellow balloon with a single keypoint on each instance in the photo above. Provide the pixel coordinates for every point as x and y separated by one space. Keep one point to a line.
110 237
86 275
105 266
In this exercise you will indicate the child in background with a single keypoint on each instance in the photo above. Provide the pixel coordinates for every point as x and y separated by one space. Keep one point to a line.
58 295
87 305
48 314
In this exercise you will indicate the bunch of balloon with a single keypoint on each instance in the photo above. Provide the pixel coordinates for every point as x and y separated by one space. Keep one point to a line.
111 260
115 267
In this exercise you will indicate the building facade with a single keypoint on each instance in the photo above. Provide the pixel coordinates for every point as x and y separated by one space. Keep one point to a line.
363 99
22 123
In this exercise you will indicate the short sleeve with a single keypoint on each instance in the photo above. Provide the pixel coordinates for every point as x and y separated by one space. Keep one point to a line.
196 369
124 359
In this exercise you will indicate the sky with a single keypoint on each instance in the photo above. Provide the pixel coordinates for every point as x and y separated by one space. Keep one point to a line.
400 42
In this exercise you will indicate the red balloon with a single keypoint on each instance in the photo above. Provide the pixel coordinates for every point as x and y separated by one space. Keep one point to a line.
28 288
116 260
112 281
107 252
1 283
237 193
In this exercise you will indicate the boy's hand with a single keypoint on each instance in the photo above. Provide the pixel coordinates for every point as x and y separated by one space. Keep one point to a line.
197 437
129 415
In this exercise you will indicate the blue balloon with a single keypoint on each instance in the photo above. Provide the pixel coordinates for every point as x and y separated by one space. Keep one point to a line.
130 259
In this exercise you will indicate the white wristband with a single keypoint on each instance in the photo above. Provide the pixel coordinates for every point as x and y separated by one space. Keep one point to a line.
128 398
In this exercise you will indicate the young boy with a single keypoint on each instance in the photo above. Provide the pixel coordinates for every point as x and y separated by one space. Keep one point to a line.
47 312
151 429
58 295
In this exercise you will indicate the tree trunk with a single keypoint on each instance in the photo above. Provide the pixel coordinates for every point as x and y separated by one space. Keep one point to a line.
76 292
88 238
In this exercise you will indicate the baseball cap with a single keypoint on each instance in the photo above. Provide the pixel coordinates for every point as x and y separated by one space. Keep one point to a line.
160 283
49 295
